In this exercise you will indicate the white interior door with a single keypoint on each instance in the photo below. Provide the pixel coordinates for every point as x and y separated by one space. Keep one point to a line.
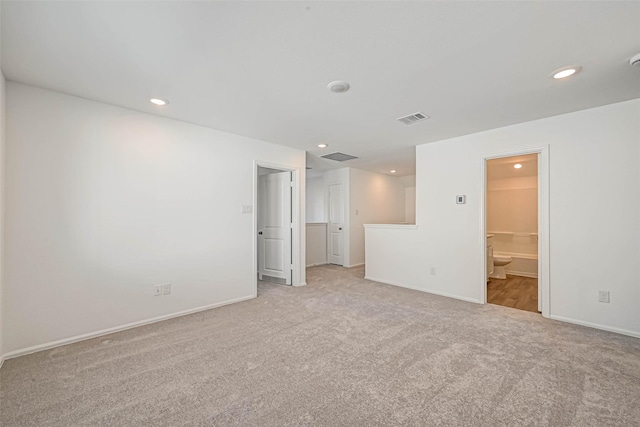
274 226
335 244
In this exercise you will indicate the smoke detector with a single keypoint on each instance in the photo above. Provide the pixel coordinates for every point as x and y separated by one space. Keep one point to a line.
338 86
635 60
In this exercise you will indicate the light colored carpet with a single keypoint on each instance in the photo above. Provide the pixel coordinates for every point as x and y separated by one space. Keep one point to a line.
341 351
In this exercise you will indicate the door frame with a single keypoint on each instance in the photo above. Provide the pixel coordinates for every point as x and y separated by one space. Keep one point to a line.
544 295
297 236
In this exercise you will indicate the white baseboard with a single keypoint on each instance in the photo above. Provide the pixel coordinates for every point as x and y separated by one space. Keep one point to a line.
316 264
522 274
442 294
354 265
71 340
635 334
328 263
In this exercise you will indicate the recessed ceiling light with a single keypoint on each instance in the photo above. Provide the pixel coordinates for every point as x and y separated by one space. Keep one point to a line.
338 86
322 145
158 101
393 171
567 71
517 166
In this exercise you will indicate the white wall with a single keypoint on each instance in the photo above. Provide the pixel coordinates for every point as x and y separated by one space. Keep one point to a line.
410 205
316 244
103 203
512 216
373 199
409 182
315 196
593 213
512 205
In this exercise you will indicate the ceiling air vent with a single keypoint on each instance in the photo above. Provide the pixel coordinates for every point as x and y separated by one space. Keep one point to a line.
338 157
412 118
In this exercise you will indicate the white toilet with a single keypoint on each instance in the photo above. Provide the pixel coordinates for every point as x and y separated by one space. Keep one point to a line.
499 262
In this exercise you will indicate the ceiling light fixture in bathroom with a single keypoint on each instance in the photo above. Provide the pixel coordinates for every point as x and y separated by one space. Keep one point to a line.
393 171
517 166
159 101
567 71
323 145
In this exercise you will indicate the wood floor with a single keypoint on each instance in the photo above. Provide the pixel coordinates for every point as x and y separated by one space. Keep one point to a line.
515 292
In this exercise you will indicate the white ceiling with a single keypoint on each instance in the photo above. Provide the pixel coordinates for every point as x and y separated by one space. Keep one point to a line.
260 69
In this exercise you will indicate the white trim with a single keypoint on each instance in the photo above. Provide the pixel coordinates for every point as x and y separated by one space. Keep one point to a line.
298 235
394 226
512 233
544 294
442 294
514 255
524 187
90 335
521 274
300 284
627 332
354 265
1 361
317 264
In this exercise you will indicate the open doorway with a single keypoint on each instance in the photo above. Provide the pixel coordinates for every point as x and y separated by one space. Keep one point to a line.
511 216
274 217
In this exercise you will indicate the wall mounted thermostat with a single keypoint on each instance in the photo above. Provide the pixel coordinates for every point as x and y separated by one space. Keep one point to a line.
461 200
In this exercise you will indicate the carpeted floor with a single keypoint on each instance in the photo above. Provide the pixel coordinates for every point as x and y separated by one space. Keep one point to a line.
341 351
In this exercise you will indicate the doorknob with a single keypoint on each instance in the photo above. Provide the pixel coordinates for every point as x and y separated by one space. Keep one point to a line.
260 233
339 228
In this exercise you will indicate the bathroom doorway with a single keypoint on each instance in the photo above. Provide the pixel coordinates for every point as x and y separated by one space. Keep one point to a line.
511 224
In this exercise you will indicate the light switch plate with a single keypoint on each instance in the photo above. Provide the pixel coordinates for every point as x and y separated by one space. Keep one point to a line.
247 209
461 200
603 296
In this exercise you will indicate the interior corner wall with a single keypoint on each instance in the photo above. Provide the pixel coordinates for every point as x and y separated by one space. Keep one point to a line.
409 182
103 203
374 198
315 199
410 205
594 208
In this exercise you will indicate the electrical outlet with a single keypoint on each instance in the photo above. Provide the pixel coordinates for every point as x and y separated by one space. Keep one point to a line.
157 290
166 289
603 296
433 271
